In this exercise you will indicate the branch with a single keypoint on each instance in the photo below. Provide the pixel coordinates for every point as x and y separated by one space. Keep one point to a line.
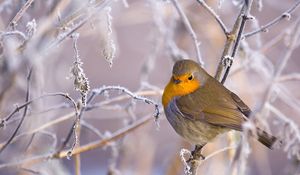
244 16
214 14
97 144
289 77
189 28
23 117
115 136
229 52
70 115
100 91
46 125
233 41
286 14
18 108
122 97
85 13
103 89
20 13
77 156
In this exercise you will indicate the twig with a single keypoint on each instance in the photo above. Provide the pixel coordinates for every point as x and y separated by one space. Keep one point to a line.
63 36
18 108
131 94
100 91
20 13
97 144
286 14
46 133
23 117
122 97
30 142
91 128
31 160
218 152
291 47
289 77
77 156
31 171
189 28
15 32
245 15
47 125
93 106
87 12
290 133
77 164
214 14
231 41
287 96
81 82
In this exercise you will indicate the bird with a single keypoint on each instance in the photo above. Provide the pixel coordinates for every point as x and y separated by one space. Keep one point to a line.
200 108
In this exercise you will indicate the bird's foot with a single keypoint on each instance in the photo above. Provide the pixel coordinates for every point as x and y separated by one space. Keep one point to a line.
196 154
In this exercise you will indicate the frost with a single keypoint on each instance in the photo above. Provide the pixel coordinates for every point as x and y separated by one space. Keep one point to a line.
109 51
227 60
286 15
31 28
81 82
183 154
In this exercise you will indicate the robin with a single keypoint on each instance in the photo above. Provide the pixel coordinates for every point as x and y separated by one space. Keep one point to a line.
199 107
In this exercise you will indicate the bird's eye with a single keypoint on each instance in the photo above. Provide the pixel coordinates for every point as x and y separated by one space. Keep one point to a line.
190 77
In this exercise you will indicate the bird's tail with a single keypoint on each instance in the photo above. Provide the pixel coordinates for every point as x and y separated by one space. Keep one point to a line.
265 138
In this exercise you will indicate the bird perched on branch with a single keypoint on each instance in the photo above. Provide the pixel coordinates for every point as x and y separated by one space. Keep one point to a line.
199 107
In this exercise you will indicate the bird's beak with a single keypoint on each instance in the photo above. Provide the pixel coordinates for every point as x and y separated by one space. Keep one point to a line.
176 81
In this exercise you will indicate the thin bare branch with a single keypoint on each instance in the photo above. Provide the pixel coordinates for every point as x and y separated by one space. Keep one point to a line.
97 144
131 94
42 127
289 77
284 15
91 128
214 14
189 28
77 156
24 105
84 14
245 15
20 13
232 42
23 116
93 145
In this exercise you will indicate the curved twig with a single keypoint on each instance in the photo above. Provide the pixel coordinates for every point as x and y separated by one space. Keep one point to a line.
286 14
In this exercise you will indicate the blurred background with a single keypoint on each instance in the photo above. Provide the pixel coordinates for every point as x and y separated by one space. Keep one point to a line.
133 44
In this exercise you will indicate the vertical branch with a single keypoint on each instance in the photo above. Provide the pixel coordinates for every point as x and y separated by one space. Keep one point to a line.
231 47
77 156
23 116
189 28
233 41
244 17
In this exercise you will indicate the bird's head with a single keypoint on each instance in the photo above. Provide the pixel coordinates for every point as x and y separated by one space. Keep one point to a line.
187 76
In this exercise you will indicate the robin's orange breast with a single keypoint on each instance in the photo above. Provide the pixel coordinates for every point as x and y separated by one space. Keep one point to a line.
183 88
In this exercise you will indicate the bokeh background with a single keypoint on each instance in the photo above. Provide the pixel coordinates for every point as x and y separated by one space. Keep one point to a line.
133 44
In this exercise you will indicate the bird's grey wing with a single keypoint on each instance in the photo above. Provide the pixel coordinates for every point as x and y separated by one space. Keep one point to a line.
241 105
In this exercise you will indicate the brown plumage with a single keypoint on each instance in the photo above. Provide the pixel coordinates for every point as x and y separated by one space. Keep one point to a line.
199 107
